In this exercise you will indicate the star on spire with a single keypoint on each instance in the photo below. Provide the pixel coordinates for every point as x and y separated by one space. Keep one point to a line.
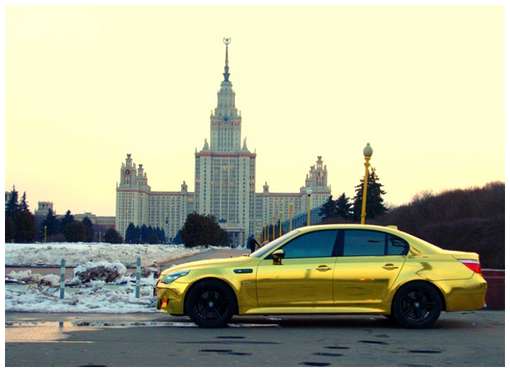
226 73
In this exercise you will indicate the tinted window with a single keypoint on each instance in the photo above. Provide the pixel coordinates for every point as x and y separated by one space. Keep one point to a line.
396 246
364 243
314 244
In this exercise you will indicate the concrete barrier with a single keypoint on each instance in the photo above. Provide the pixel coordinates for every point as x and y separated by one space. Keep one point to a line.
495 297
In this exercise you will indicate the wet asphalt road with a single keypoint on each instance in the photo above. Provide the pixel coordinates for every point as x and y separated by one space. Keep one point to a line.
459 339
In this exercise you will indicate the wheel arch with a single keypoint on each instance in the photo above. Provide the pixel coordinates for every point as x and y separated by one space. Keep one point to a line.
419 281
212 279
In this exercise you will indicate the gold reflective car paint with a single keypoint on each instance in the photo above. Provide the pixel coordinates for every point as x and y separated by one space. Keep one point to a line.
361 284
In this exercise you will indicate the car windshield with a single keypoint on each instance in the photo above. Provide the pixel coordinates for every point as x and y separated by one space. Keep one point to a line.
267 248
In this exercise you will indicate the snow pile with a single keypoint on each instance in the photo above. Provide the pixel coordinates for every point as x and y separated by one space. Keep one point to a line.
101 287
96 297
50 254
51 280
27 277
104 271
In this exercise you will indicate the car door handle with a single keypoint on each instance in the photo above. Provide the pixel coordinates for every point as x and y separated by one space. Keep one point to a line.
390 267
323 268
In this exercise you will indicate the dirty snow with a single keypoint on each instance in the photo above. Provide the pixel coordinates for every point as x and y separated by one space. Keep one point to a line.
50 254
99 297
94 296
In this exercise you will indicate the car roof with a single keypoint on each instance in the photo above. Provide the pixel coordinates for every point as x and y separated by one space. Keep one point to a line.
390 229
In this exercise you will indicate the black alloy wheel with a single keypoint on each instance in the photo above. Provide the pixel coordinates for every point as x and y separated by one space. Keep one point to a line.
210 304
417 305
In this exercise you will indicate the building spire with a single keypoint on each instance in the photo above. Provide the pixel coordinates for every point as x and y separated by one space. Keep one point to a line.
226 74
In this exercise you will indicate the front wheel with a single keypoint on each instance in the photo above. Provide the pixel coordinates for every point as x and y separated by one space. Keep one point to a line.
210 304
417 305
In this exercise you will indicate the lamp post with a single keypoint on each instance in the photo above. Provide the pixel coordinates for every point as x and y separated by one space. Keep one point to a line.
309 206
367 153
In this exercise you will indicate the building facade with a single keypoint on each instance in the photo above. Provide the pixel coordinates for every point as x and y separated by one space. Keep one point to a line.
224 183
43 207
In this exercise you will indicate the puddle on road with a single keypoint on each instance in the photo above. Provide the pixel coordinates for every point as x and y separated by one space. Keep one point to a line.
41 332
373 342
45 331
425 351
103 324
315 364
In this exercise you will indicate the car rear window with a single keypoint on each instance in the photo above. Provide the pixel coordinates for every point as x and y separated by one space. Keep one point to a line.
364 243
373 243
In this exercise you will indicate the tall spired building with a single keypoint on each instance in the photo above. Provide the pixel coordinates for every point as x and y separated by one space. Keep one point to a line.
224 183
225 172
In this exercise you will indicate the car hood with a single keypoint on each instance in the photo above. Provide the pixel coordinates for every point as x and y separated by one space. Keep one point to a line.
209 263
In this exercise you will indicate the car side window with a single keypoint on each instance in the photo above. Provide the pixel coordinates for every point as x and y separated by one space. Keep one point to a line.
364 243
396 246
313 244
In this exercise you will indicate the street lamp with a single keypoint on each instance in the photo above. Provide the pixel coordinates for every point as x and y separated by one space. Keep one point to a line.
308 206
367 153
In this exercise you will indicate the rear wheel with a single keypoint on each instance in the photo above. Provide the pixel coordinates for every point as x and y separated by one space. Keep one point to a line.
417 305
210 304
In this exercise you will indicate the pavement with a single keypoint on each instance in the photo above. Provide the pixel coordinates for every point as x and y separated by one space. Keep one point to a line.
459 339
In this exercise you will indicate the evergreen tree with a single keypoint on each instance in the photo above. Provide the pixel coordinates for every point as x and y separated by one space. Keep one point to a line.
151 236
67 219
10 229
112 236
137 235
144 234
12 206
24 222
343 207
130 234
178 238
51 225
328 209
74 231
375 202
11 210
89 229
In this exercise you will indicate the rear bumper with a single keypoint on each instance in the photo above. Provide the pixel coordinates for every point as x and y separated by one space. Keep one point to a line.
460 295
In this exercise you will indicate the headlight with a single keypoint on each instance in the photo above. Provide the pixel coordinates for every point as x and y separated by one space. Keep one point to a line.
169 278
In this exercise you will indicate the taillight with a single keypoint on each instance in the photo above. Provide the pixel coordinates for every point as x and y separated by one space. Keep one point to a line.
472 265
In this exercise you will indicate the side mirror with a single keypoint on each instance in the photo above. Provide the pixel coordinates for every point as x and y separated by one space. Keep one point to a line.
277 256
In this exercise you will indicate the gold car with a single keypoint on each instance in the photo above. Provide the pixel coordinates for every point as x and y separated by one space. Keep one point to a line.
328 269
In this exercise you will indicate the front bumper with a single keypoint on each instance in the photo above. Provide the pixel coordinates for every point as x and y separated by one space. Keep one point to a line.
170 297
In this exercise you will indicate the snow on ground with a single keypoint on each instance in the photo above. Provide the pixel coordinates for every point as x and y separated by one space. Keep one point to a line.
50 254
98 297
42 293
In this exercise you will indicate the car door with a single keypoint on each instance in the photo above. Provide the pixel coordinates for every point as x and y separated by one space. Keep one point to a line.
305 275
368 264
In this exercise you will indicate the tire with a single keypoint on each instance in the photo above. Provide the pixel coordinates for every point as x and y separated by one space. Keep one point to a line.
210 304
417 305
